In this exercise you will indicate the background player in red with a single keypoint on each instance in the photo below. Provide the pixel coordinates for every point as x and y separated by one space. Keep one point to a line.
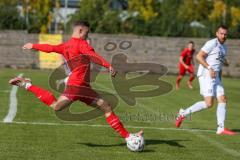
186 64
78 55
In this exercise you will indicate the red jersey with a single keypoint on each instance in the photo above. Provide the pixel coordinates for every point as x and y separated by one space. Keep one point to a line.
78 55
187 56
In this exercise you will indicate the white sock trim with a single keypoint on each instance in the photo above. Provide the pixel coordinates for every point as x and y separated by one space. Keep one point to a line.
27 85
221 114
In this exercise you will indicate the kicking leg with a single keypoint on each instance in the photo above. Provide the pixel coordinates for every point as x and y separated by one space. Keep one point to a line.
87 95
112 118
207 103
43 95
61 103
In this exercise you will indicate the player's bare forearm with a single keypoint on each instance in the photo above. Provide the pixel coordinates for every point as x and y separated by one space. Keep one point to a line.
27 46
226 62
182 62
201 59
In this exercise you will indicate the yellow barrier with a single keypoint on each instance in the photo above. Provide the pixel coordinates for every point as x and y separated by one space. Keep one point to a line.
50 60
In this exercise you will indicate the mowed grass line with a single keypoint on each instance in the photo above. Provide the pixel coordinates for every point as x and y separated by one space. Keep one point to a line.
84 142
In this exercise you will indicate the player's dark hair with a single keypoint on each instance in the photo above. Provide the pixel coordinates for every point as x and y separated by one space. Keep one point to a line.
81 23
191 42
223 27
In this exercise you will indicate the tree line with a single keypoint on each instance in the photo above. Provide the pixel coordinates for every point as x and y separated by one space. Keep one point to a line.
169 18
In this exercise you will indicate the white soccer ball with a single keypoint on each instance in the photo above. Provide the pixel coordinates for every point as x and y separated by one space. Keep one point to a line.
135 143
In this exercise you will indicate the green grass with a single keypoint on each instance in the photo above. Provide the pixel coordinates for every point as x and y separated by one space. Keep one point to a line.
64 141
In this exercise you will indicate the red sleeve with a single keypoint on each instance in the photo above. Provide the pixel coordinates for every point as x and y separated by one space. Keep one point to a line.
94 57
183 53
49 48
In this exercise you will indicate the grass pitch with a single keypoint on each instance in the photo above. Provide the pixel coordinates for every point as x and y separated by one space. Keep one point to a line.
37 133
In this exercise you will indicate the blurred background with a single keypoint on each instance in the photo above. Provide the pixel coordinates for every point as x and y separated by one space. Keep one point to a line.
172 18
146 33
157 29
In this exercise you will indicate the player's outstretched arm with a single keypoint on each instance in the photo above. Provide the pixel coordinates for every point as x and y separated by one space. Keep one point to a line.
44 47
96 58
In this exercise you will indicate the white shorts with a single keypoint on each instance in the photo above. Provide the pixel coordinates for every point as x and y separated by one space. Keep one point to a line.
210 87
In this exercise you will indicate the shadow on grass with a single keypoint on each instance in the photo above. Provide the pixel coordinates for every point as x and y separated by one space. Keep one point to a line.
102 145
112 145
236 130
174 143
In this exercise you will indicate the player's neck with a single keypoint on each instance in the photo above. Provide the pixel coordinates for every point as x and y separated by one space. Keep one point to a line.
220 41
76 36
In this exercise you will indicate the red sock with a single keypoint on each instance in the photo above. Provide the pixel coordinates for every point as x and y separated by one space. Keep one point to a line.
116 124
43 95
179 78
191 78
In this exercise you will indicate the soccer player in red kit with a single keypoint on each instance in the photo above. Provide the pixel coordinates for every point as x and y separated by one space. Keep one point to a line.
78 55
186 64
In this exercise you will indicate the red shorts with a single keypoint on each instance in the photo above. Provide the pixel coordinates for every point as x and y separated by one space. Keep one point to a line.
83 93
182 69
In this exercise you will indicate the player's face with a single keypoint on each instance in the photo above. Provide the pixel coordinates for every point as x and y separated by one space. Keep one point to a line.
190 46
222 35
83 33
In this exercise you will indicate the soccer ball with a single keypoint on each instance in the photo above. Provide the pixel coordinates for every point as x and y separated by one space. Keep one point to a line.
135 143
